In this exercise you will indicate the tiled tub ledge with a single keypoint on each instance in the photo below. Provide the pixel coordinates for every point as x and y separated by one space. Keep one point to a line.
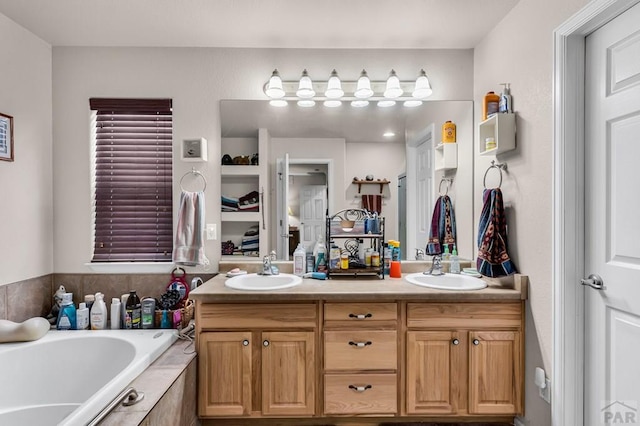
169 387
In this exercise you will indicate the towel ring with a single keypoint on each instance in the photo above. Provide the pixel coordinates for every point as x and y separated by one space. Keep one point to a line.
448 182
500 168
197 173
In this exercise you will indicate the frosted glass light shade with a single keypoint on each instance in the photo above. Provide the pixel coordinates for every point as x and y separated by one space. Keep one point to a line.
412 103
385 103
423 87
274 88
278 103
332 103
363 88
306 103
334 87
305 87
393 89
359 103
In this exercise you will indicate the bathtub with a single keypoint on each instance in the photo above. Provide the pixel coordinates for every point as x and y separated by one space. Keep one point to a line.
68 377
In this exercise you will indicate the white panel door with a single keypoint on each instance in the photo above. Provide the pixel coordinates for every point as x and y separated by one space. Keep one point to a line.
313 208
424 194
612 228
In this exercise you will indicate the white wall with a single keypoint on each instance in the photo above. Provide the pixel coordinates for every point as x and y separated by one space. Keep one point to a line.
520 51
26 212
197 79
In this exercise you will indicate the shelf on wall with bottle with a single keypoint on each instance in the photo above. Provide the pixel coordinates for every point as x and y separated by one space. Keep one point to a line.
445 156
502 128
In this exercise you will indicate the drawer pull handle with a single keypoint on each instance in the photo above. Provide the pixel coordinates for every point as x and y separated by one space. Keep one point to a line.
360 388
360 316
476 342
455 341
265 343
245 342
360 344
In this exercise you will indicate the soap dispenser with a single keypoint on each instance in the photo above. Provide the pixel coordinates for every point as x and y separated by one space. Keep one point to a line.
454 268
505 99
67 313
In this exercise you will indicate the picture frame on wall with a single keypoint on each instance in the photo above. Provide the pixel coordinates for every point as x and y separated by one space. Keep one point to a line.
6 137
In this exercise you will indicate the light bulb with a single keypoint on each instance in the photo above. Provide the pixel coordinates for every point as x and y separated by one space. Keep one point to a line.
334 87
274 88
423 88
363 88
305 87
393 89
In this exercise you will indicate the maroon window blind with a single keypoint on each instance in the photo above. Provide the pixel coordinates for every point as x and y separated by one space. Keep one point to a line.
133 180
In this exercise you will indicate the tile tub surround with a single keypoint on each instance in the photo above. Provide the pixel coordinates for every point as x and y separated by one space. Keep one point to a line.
33 297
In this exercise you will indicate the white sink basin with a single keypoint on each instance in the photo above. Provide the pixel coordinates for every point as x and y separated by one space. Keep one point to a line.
446 281
255 282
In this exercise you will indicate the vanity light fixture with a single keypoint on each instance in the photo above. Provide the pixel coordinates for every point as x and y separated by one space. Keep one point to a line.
393 89
358 93
334 87
423 87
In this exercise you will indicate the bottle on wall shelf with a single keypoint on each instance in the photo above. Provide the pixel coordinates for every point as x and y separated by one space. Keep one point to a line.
505 100
299 256
67 313
454 268
449 132
490 105
99 313
82 317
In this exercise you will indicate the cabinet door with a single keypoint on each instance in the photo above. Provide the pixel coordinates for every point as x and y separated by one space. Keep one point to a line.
495 372
288 373
433 363
224 360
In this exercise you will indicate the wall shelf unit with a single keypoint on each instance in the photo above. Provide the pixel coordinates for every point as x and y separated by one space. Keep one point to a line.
445 156
501 127
359 182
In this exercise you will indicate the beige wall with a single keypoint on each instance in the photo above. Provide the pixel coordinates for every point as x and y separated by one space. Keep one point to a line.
520 51
26 212
197 79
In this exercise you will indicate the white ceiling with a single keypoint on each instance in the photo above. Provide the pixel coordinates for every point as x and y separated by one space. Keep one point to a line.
260 23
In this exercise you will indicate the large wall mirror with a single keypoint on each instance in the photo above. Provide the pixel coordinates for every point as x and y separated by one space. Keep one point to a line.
314 154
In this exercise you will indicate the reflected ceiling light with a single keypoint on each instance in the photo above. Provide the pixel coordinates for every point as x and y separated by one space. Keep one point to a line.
385 103
332 103
306 103
393 89
363 88
412 103
423 88
334 87
274 88
388 134
305 87
278 103
360 103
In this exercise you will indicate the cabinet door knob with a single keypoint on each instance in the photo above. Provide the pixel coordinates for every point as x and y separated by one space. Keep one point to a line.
455 341
360 388
245 342
360 316
265 343
360 344
476 342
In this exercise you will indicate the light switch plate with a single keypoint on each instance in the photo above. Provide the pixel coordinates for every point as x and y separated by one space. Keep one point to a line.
212 232
194 149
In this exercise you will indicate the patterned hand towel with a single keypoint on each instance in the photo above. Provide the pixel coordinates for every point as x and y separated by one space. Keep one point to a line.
189 243
443 226
493 259
372 203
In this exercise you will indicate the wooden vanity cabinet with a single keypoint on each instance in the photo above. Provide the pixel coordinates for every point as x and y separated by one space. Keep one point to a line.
257 360
464 359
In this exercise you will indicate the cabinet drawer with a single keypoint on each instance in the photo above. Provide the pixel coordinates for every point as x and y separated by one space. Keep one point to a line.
464 315
360 312
360 394
242 316
360 350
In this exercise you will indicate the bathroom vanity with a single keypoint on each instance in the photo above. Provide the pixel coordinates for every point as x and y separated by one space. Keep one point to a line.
368 351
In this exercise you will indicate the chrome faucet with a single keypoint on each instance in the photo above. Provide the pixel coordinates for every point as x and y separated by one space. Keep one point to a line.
436 266
419 254
268 268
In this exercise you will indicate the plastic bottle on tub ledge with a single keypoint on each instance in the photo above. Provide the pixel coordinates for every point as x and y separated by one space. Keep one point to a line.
67 313
99 313
134 311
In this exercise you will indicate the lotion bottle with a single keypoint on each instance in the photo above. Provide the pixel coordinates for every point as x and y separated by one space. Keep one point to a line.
505 99
67 313
298 260
116 313
99 313
82 317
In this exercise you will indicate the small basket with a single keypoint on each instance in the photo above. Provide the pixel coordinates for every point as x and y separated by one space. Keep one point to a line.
186 315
